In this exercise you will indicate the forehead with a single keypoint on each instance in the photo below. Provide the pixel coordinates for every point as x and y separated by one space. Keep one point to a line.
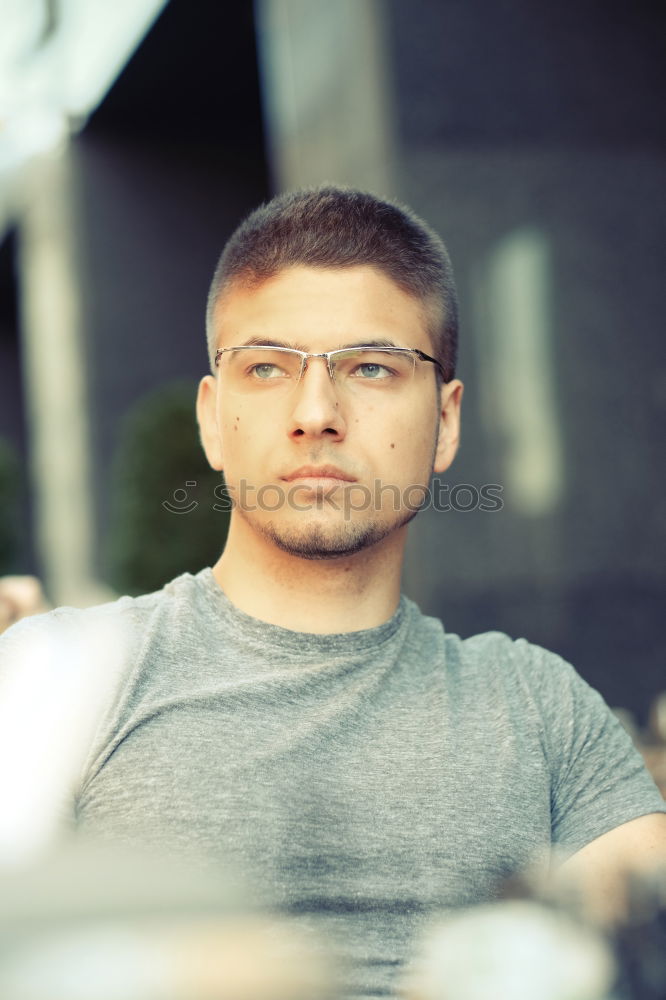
321 308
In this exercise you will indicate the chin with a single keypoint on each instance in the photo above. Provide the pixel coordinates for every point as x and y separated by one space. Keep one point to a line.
316 541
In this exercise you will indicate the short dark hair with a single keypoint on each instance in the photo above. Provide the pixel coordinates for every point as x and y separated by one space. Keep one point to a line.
341 227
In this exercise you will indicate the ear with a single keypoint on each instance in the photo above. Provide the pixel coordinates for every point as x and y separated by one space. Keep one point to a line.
449 425
209 431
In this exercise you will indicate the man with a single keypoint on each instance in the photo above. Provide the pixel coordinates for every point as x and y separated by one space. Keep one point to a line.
288 712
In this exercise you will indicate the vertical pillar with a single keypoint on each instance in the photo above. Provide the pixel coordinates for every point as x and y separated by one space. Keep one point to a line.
326 93
54 374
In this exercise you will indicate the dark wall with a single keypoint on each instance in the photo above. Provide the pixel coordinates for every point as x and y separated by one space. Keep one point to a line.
546 119
478 73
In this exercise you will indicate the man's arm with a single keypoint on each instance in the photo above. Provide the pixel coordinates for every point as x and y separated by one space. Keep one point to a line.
600 870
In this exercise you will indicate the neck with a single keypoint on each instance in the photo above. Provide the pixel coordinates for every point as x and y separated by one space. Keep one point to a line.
344 594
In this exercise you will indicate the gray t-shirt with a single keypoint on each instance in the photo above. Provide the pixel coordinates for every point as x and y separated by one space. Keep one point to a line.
361 780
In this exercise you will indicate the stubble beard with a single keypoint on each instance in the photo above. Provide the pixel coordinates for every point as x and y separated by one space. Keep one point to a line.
314 540
318 542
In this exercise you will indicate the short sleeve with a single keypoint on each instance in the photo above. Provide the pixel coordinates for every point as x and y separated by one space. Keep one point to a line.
598 777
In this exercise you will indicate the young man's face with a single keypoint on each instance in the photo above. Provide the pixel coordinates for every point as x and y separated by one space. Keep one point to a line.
324 470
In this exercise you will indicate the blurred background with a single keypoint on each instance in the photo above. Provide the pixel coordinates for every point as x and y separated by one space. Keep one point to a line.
134 136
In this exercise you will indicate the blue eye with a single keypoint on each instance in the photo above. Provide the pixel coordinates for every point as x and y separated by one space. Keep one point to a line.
266 371
372 371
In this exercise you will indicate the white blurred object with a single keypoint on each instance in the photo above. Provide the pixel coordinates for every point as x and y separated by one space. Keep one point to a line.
249 959
95 922
64 57
519 392
55 685
512 951
57 62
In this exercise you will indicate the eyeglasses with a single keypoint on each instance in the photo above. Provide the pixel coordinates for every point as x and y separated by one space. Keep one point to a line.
262 370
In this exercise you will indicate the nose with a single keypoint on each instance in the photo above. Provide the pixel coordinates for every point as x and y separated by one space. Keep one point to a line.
315 405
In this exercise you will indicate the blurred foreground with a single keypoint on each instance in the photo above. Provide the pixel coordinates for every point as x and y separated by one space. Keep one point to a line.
91 923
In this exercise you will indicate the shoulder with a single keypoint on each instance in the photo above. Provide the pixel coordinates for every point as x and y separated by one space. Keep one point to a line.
496 658
518 678
497 649
104 640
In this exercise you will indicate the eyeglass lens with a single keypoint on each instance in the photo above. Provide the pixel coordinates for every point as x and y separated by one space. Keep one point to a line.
263 370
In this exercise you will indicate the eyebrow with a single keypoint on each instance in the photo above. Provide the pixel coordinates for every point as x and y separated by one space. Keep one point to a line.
264 342
268 342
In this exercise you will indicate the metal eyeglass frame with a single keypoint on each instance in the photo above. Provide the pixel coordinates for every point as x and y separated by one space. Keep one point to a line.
304 355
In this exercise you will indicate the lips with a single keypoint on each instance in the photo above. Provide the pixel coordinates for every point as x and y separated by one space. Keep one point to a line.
319 472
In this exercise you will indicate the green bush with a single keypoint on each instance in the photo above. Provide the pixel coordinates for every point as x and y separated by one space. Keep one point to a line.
11 483
158 454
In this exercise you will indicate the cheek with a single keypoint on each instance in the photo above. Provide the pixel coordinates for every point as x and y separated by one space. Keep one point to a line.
234 430
245 442
410 454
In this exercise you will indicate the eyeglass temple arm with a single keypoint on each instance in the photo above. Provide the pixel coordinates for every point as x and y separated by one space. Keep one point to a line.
426 357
